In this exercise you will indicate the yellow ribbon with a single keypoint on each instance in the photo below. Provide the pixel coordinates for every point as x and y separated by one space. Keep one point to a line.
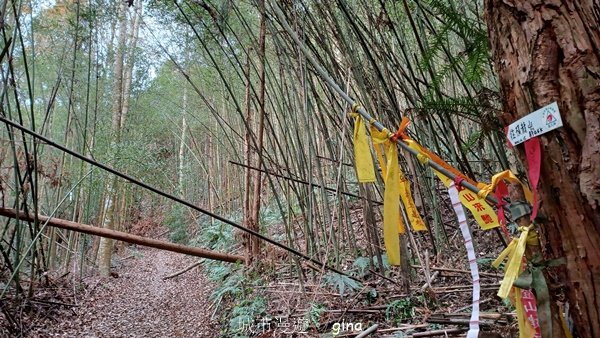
409 205
397 188
509 176
392 221
482 212
362 154
380 140
514 251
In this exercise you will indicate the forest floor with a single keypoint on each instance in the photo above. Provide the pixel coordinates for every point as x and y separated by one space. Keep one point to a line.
136 301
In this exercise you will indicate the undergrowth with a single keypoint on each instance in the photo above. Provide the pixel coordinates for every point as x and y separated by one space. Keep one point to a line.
177 224
240 309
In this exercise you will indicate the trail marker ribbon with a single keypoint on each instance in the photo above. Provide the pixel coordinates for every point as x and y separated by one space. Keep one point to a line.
482 212
464 228
362 153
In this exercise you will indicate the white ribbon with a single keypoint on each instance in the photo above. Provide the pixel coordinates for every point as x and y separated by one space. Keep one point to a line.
464 228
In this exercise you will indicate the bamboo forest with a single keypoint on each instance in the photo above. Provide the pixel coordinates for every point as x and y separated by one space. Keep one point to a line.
300 168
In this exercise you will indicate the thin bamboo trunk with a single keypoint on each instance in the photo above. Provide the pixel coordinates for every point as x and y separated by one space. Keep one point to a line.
106 244
256 198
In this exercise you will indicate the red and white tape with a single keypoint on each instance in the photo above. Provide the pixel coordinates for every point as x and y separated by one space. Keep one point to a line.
464 228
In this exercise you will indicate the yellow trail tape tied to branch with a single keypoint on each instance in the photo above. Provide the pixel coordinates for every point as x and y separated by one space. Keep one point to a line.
482 212
534 319
397 188
514 251
362 154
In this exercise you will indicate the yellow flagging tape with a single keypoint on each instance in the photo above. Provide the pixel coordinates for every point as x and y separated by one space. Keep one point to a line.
409 205
514 252
482 212
381 140
397 187
362 154
392 221
509 176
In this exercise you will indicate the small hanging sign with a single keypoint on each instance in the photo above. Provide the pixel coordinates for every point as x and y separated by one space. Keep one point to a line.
537 123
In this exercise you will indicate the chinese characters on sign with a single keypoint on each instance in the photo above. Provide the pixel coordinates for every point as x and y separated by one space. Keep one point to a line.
482 212
529 304
537 123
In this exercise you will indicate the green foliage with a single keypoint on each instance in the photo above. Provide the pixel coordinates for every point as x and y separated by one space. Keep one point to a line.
243 307
340 282
215 236
371 295
361 264
270 215
246 312
459 29
177 224
314 313
230 286
472 141
400 310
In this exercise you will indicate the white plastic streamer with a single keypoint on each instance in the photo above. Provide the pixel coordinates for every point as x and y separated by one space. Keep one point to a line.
464 228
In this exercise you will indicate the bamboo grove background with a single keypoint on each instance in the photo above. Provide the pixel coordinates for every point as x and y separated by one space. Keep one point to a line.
186 96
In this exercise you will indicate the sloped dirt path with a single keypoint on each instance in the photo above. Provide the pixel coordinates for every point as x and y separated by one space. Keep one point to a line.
139 303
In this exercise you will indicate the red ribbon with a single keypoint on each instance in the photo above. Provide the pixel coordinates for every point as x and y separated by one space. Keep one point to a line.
501 191
458 183
533 154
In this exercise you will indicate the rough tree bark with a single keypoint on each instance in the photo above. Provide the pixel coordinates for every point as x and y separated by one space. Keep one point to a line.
547 51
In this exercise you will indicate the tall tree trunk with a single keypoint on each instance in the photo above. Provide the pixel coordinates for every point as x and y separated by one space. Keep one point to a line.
129 60
547 51
106 245
255 216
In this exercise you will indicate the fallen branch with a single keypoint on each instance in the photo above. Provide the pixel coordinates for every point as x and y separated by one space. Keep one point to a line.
460 271
404 327
182 271
428 283
123 236
368 331
470 305
455 321
439 332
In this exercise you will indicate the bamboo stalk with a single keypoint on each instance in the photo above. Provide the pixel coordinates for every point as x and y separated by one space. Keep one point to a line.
303 182
332 85
173 198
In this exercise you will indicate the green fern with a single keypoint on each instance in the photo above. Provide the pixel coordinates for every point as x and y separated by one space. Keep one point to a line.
314 313
340 282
